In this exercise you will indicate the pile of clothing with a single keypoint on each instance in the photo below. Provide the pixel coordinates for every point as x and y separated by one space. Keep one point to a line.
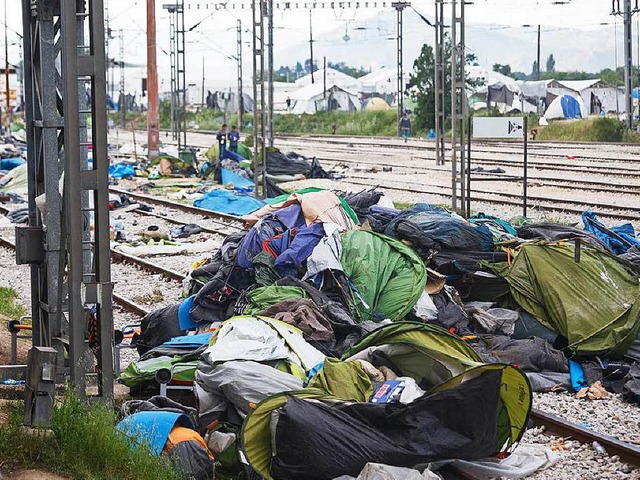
323 337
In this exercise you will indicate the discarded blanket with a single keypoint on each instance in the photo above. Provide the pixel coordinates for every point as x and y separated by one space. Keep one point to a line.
223 201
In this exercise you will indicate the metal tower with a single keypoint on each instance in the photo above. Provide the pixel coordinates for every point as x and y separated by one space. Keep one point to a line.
459 110
71 285
178 73
399 6
260 118
239 62
439 86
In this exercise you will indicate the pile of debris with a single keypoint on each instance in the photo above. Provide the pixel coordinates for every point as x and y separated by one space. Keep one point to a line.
337 332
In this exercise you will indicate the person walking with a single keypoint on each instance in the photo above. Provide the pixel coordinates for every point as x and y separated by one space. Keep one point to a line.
288 104
234 137
222 141
405 126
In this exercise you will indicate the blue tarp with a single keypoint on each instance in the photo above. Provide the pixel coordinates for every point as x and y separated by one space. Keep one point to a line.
229 177
224 201
11 163
189 341
570 107
121 170
152 428
618 239
232 156
450 232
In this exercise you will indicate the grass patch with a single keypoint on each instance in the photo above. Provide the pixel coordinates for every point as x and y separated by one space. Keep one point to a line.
8 305
82 444
588 130
364 123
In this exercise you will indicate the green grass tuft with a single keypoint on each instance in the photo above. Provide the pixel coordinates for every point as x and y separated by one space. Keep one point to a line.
588 130
8 305
82 444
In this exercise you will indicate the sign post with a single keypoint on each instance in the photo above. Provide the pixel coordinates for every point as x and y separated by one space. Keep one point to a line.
503 127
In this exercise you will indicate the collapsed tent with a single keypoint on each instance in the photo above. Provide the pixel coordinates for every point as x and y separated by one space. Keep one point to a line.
387 275
470 410
566 107
587 295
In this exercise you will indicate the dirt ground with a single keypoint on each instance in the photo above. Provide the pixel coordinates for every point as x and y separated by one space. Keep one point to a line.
32 475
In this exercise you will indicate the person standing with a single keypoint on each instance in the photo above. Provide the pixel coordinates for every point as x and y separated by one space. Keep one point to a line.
222 141
288 104
234 137
405 126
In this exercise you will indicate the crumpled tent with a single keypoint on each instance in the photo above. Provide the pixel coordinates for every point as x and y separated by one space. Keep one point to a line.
471 410
618 239
388 276
593 302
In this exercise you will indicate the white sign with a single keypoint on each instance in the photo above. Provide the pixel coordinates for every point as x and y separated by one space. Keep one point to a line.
498 127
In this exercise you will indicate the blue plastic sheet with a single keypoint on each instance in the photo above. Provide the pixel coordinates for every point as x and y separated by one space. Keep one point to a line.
232 156
11 163
121 170
618 239
223 201
577 376
238 182
189 341
152 428
570 107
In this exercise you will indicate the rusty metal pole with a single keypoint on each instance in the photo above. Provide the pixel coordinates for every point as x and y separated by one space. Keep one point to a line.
153 115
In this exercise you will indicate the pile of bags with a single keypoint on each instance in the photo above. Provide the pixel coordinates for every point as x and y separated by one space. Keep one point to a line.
338 331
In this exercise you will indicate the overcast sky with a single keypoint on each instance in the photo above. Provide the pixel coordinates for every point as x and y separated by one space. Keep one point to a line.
214 39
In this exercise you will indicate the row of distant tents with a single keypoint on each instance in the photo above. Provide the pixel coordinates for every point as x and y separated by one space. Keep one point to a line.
331 90
555 99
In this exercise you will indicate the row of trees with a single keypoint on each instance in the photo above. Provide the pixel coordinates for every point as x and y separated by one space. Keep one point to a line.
290 74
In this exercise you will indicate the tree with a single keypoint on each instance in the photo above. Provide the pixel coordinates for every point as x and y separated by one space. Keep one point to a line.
551 63
503 69
351 71
534 70
422 84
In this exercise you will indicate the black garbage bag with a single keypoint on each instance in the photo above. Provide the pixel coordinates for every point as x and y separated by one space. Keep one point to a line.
157 327
318 441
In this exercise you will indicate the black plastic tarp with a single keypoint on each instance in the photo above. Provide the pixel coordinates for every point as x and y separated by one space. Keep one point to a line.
315 440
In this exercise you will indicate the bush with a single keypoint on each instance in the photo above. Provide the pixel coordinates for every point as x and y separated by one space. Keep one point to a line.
588 130
607 130
82 444
366 123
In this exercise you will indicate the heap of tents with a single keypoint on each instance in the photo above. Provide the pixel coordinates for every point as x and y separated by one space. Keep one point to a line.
337 331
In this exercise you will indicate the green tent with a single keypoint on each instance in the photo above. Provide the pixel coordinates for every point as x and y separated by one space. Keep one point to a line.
213 153
145 370
418 350
590 297
388 275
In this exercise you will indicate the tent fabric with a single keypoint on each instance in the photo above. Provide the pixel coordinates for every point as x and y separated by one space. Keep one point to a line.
553 232
239 384
223 201
121 170
593 302
264 297
344 380
235 180
261 339
152 428
190 454
618 239
11 163
144 370
388 276
565 107
303 314
315 440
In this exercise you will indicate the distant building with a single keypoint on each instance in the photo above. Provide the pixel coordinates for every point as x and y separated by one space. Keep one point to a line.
313 98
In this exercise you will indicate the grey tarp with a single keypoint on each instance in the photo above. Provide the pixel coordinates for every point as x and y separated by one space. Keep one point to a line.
239 384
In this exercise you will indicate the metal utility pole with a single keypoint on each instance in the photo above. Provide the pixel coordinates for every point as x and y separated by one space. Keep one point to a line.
538 57
153 112
399 6
71 291
270 120
6 71
324 81
628 64
123 96
259 101
458 105
440 83
202 93
311 47
239 60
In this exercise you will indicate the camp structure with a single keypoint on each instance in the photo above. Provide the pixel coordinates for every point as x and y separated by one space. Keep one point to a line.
597 96
376 104
314 98
463 409
566 107
329 76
